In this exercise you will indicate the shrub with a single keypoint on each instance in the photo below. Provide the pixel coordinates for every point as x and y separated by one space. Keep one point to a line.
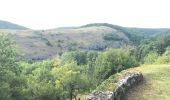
112 61
75 56
151 57
165 58
111 36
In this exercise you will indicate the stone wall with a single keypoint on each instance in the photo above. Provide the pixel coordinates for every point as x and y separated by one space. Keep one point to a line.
123 86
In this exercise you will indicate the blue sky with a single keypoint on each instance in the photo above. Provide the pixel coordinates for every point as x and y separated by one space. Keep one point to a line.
46 14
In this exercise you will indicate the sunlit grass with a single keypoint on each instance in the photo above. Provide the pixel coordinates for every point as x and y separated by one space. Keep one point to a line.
156 85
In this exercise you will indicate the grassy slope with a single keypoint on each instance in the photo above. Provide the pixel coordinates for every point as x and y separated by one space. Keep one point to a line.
156 84
35 43
42 44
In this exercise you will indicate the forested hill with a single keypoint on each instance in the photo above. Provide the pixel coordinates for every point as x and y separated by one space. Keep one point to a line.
43 44
132 32
9 25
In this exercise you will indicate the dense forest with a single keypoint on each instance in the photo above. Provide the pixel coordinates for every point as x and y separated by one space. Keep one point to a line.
75 72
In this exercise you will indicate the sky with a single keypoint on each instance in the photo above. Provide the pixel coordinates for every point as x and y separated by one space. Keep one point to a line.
46 14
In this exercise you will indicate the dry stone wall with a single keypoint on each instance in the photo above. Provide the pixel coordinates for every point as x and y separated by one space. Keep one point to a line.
124 85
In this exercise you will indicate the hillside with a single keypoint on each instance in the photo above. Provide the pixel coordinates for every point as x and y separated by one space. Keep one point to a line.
9 25
43 44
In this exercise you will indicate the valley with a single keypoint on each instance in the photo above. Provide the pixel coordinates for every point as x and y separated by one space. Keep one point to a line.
69 63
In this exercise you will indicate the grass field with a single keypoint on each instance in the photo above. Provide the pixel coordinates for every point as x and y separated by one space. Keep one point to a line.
156 84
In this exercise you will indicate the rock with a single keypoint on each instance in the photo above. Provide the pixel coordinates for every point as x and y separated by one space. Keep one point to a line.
108 95
123 86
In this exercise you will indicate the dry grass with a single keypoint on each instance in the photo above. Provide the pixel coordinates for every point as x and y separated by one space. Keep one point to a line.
34 43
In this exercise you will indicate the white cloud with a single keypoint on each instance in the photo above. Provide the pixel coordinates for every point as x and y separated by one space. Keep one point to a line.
43 14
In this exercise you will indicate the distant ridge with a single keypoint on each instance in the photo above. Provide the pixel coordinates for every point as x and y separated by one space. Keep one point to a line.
9 25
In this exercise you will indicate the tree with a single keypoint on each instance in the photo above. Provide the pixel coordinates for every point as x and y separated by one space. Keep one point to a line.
8 66
75 56
156 44
112 61
8 54
69 80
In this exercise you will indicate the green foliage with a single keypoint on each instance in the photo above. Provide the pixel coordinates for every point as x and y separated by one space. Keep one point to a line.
112 61
77 72
90 67
8 68
165 58
111 36
8 53
51 79
157 44
151 58
69 79
107 85
75 56
40 91
39 84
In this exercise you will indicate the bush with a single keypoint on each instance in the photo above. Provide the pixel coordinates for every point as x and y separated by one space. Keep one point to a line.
112 61
165 58
151 57
75 56
111 36
8 67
